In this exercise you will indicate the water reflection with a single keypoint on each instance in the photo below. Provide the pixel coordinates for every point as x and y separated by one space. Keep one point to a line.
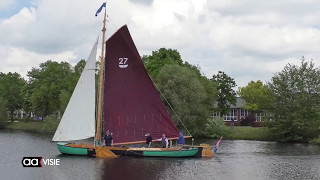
235 160
131 168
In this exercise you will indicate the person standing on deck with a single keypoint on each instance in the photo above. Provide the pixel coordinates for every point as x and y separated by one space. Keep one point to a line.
164 141
148 140
108 138
181 140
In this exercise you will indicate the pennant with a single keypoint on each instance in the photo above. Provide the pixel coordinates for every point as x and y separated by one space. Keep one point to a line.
100 9
217 145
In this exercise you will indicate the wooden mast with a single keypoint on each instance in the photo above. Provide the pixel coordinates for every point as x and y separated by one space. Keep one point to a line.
100 105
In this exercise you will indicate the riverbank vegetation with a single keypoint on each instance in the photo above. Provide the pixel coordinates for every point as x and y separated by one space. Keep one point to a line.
315 141
291 99
49 124
249 133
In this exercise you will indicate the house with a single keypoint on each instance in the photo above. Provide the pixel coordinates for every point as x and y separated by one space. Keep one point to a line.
237 112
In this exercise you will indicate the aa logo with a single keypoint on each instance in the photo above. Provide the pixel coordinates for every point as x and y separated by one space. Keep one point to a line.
31 161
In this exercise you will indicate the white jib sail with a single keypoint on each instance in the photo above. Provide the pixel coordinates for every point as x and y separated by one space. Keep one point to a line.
78 120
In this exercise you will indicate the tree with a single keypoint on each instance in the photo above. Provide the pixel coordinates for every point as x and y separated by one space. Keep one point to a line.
65 94
26 100
256 95
46 84
209 86
158 59
226 95
3 113
10 88
79 67
187 96
296 98
182 84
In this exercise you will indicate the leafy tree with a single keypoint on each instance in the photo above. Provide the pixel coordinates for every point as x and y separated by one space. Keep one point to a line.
209 86
226 95
46 83
65 94
64 98
256 95
296 95
186 77
10 88
3 113
79 67
187 96
26 99
158 59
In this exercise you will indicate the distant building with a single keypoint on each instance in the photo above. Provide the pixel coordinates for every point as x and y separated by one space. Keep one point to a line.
237 112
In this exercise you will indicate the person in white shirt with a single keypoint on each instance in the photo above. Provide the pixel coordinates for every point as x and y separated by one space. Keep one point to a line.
164 141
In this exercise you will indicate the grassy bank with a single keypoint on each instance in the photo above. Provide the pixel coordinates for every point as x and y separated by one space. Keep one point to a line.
49 124
315 141
249 133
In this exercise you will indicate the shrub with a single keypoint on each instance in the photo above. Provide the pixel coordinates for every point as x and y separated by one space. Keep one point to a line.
315 141
215 128
248 120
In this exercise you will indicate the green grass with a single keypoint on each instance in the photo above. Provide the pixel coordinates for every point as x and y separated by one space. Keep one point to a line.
249 133
315 141
49 124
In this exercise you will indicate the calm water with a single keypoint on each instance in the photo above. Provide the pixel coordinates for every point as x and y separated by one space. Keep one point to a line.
235 160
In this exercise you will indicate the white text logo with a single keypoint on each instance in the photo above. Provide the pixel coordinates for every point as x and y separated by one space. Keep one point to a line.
123 62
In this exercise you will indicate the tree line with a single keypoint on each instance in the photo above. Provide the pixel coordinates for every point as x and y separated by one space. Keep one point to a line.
291 97
47 89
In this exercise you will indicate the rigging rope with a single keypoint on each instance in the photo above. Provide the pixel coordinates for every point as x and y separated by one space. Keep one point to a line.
170 106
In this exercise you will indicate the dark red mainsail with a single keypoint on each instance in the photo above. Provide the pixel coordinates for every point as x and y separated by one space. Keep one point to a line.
132 105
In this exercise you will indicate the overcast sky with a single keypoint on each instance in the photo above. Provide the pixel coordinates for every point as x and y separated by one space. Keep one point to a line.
247 39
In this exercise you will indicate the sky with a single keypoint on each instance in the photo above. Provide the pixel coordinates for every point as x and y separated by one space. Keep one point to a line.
246 39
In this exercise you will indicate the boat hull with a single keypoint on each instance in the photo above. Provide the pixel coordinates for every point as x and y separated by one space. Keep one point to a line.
158 152
64 148
182 153
88 150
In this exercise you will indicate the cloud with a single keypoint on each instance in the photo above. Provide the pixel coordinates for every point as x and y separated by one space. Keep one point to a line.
249 40
5 4
144 2
49 30
21 60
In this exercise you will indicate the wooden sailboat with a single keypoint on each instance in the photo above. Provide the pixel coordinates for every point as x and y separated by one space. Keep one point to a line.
129 106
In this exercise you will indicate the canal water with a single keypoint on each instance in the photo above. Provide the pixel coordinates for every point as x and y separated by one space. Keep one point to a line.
236 159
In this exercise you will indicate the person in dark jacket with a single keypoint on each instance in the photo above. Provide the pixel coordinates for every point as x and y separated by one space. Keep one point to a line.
232 123
108 138
148 140
181 140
